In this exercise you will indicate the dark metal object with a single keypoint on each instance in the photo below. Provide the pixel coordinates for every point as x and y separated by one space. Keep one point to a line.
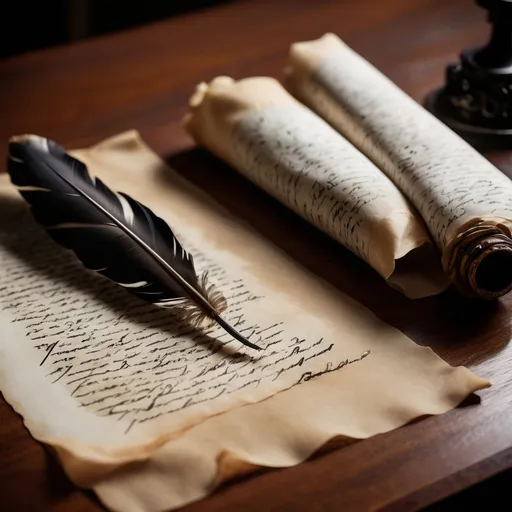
476 100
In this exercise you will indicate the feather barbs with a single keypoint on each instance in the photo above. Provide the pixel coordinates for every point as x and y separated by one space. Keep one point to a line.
189 311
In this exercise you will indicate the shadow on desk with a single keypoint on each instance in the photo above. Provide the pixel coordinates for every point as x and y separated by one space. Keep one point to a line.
492 494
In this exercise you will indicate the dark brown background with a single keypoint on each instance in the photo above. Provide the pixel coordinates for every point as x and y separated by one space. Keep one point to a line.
35 24
142 79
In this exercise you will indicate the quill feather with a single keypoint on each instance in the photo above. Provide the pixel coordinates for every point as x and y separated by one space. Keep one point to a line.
111 233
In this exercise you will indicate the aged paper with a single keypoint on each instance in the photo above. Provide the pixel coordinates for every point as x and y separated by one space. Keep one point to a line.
147 412
449 182
283 147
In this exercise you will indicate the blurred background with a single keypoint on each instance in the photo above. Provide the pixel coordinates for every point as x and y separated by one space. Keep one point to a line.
27 25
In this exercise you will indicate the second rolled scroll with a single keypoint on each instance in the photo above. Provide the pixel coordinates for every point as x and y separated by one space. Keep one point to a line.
464 200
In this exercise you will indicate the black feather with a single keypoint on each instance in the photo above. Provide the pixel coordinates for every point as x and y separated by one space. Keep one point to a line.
110 232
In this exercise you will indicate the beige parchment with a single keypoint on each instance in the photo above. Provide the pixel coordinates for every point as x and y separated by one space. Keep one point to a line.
449 182
153 416
294 155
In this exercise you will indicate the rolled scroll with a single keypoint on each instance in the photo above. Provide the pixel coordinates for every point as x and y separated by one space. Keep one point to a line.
464 200
294 155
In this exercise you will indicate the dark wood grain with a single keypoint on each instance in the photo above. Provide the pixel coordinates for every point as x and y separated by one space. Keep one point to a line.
142 79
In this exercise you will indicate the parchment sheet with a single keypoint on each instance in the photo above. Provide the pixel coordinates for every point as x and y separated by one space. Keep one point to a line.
119 391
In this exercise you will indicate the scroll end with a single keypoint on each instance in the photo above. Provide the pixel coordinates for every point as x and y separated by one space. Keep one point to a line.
481 262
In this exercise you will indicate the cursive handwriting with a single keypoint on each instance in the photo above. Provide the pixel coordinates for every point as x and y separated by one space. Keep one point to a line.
121 358
299 159
332 367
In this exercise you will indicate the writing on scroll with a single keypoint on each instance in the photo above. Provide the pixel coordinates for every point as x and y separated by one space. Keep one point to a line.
446 179
120 357
304 163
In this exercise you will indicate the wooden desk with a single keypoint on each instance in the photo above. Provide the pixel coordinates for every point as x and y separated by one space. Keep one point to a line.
142 79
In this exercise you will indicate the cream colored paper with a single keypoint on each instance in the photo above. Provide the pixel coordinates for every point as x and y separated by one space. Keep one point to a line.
273 140
60 323
450 183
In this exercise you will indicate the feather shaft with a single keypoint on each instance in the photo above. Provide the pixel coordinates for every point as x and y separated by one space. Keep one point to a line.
228 328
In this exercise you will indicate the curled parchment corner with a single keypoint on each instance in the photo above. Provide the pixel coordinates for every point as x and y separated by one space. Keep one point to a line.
231 466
